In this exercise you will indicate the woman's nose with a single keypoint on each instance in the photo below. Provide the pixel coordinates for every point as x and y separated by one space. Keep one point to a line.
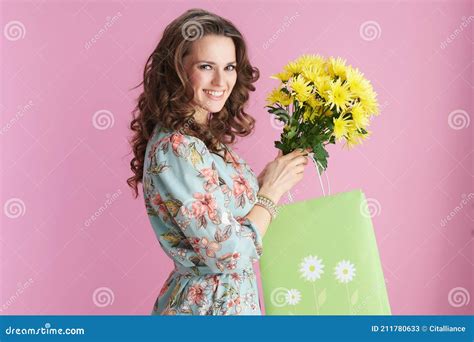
218 78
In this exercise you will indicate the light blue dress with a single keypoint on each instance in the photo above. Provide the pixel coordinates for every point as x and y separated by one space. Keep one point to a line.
196 202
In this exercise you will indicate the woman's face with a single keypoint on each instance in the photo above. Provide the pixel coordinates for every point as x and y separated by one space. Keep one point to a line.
211 68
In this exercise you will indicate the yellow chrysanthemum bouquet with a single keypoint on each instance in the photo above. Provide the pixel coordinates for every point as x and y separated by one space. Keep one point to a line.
321 101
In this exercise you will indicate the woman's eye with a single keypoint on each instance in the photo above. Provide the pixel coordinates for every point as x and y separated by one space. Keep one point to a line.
209 67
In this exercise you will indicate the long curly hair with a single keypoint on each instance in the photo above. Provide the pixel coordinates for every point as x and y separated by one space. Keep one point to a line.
167 92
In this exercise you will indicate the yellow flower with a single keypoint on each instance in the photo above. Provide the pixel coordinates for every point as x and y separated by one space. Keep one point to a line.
340 127
278 96
357 83
282 76
355 138
369 102
294 68
310 74
314 102
339 95
301 88
310 114
323 85
315 62
359 116
337 67
327 112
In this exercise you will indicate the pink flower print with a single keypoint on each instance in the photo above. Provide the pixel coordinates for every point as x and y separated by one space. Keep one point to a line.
236 277
152 152
160 204
211 247
231 158
170 311
163 290
241 187
211 177
205 203
213 281
163 143
157 200
176 140
196 294
235 302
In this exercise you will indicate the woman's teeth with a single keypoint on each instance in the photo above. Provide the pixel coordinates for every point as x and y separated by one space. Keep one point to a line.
214 93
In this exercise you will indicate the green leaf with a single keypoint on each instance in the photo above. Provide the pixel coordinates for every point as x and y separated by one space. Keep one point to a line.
320 152
282 115
291 133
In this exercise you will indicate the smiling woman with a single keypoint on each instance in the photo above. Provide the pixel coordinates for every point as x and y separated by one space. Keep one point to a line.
191 57
212 78
207 207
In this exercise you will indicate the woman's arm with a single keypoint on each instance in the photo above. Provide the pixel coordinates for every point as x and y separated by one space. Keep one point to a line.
260 217
277 177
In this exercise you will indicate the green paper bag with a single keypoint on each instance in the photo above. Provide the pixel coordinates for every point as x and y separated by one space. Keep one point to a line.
321 258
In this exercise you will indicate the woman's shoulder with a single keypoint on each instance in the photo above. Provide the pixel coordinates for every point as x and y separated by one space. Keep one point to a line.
174 144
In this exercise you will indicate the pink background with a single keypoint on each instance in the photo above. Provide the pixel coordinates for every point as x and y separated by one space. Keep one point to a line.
60 165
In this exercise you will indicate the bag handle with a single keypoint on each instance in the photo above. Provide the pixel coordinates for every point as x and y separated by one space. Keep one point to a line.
315 163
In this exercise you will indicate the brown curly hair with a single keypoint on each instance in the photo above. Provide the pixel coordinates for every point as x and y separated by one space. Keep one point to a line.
167 93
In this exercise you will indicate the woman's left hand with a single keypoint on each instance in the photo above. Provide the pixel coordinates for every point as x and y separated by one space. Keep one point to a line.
261 175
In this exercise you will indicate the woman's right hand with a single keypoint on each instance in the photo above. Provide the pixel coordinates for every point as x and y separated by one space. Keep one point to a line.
283 173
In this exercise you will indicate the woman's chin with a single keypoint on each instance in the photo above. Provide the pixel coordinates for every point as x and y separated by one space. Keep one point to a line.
214 109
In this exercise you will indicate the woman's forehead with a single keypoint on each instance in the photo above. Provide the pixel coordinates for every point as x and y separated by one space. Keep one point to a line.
216 49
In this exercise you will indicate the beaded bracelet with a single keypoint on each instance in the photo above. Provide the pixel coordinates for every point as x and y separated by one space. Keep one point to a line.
268 204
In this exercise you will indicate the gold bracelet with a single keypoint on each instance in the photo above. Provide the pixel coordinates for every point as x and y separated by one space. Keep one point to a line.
268 204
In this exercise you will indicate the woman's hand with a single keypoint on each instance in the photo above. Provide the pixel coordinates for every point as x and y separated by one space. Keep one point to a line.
283 173
261 176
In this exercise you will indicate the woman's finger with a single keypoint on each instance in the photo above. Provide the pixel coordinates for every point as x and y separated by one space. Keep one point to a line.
300 160
299 169
296 153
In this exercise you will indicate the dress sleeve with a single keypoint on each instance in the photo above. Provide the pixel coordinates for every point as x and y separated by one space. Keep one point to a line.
190 187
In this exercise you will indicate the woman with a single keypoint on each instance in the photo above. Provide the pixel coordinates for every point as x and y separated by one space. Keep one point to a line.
207 207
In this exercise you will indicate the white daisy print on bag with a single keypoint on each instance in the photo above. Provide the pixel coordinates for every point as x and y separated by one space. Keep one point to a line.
293 297
345 271
311 268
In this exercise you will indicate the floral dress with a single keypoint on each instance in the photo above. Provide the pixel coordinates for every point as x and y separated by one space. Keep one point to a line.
196 202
